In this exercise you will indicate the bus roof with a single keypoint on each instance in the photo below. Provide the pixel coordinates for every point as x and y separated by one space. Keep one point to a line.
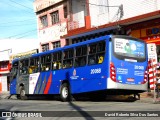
73 45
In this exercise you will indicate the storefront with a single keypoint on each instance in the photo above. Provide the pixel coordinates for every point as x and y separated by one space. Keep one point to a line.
4 75
5 67
149 31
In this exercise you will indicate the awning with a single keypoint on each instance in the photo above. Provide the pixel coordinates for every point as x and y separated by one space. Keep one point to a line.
153 39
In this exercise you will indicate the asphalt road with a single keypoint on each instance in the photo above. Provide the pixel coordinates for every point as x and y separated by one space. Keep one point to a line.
83 109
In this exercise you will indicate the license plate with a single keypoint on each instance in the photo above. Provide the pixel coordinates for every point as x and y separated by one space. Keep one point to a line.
130 79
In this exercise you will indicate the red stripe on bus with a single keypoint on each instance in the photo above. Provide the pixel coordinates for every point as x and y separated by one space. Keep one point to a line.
48 84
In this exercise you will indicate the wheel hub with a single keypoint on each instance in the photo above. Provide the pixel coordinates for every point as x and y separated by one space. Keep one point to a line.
65 92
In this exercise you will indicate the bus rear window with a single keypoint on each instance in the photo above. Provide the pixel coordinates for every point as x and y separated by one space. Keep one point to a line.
129 48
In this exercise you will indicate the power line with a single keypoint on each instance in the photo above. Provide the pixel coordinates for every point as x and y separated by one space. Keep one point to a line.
21 5
101 5
24 35
120 9
20 34
16 25
30 0
17 21
14 7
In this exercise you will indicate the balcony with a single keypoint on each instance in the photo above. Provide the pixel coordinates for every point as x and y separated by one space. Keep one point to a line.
74 27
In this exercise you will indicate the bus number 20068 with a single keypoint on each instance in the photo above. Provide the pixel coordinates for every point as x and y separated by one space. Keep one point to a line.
95 71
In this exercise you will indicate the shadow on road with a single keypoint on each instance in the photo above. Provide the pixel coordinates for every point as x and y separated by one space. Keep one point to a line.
82 98
81 112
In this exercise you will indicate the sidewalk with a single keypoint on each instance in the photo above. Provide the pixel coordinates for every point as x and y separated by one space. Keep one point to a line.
148 97
4 95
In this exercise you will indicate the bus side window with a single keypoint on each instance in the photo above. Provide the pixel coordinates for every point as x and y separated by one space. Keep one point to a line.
100 52
34 65
31 67
56 57
68 58
24 66
92 54
80 58
76 62
83 61
46 62
14 70
96 53
92 59
56 65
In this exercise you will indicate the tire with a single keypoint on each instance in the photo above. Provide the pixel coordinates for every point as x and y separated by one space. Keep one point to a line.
65 93
18 96
22 93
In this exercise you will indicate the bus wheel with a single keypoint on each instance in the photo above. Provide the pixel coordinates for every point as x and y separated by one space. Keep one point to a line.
22 93
18 96
65 93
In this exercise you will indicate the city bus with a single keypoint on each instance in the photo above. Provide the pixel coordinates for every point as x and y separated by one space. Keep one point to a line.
111 64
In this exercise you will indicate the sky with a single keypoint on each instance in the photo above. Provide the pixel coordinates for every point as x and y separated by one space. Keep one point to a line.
18 26
18 20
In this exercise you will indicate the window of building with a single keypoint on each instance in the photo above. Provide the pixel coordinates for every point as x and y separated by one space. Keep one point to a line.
44 21
55 17
80 39
76 40
45 47
67 41
65 12
56 44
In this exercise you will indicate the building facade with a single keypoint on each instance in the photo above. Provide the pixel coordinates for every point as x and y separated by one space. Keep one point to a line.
117 14
52 22
5 67
10 49
60 22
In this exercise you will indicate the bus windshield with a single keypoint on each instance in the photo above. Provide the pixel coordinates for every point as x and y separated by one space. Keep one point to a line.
129 49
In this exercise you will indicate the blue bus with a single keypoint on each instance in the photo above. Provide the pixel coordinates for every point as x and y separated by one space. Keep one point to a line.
111 64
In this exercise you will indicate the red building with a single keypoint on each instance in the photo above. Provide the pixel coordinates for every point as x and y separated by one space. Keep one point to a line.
5 67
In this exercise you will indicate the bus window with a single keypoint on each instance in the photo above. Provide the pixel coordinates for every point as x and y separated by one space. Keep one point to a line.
101 46
14 70
92 49
56 57
80 58
100 51
96 53
24 66
34 65
46 62
92 54
68 58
